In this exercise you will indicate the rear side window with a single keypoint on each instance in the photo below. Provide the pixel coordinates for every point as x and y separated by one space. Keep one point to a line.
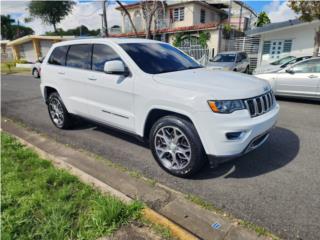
58 56
101 54
79 56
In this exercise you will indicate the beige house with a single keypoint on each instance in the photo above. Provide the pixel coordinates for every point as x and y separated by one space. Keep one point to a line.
32 47
187 19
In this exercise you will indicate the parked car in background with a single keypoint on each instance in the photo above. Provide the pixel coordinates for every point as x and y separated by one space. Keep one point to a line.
273 65
188 114
301 79
230 61
36 69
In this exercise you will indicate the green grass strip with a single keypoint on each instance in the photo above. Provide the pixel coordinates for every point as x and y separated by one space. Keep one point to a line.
39 201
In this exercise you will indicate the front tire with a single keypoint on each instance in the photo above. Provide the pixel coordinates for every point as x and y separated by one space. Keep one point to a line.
58 112
176 146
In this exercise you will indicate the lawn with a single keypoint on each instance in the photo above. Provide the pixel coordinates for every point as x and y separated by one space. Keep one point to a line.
39 201
14 69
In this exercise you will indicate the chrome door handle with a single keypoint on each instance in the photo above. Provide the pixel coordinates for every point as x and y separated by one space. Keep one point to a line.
61 73
92 79
312 76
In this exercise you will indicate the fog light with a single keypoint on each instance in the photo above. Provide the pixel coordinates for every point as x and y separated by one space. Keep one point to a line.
233 135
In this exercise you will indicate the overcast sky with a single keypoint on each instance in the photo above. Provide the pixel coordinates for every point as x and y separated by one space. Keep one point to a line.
86 12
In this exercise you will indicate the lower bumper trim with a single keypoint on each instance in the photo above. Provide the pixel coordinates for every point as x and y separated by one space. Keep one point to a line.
254 144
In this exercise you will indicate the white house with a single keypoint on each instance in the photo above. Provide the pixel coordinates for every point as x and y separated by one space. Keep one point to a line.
289 38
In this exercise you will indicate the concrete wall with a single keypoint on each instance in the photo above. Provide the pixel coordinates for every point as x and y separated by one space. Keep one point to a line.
302 40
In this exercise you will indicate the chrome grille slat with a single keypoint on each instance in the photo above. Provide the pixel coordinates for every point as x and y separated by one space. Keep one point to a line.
260 104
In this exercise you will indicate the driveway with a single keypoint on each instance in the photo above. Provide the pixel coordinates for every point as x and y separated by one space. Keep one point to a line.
277 186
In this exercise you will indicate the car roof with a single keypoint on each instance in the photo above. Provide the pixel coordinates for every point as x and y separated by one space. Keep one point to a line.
105 40
305 60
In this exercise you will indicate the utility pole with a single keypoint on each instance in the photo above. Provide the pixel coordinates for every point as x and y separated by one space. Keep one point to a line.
229 12
104 13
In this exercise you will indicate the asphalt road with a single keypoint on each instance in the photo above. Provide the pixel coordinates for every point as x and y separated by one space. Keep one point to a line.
277 186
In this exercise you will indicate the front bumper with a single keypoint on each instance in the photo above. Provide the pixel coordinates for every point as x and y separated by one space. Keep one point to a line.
213 128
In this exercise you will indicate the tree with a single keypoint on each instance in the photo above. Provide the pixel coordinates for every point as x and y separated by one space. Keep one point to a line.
104 3
78 31
263 19
50 12
20 31
309 11
13 31
6 27
129 17
149 10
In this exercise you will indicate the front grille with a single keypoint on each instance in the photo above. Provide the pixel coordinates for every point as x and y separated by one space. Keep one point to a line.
260 104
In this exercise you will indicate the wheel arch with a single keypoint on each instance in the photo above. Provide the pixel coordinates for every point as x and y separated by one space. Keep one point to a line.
47 91
155 114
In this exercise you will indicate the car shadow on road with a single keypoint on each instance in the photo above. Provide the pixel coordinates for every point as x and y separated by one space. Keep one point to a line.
280 149
82 124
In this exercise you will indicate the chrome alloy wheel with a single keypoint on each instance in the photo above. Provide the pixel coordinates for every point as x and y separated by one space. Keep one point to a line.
172 148
56 111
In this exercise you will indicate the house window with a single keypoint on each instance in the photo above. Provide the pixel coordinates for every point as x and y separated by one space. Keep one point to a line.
202 16
178 14
276 49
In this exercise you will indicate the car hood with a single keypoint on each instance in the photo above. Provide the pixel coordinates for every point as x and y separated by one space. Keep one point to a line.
217 84
220 64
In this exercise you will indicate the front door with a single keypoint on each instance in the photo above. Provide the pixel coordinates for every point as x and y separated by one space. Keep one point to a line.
110 96
300 79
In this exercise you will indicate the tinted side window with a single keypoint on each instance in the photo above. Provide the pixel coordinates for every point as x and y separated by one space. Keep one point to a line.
79 56
312 66
58 56
101 54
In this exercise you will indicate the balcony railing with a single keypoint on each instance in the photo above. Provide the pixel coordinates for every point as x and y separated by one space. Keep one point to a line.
160 24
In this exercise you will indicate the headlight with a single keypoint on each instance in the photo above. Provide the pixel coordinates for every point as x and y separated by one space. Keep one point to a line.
226 106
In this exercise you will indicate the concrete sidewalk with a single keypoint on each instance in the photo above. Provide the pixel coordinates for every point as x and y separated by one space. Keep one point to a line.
203 223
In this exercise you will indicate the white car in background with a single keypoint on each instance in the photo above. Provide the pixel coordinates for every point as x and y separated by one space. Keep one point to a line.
230 61
273 66
36 69
301 79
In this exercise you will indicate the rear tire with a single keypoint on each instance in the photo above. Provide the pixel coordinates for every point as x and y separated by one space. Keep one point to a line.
176 146
58 112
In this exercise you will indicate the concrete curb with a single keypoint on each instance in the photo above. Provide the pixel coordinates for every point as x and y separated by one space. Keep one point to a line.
166 206
148 213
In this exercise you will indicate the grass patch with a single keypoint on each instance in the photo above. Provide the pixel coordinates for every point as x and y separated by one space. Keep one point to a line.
39 201
6 69
160 230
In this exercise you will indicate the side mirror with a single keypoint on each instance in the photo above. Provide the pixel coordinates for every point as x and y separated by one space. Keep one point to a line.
115 67
289 70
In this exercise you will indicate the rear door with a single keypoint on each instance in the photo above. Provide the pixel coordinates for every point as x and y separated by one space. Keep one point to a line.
110 96
301 79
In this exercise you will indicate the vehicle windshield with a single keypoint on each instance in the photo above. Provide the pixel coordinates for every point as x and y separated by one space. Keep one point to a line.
283 60
155 58
225 58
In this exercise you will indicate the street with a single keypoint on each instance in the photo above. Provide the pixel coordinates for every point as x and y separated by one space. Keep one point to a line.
276 186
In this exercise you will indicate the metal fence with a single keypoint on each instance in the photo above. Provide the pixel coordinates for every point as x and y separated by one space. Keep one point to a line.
250 45
199 53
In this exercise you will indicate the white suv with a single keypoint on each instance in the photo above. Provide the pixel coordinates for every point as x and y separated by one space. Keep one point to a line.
187 113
